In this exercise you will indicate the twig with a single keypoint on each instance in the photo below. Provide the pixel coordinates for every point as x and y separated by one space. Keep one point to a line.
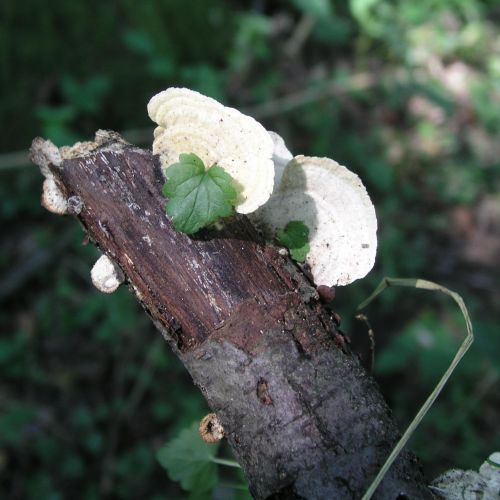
226 462
114 429
142 380
299 36
360 81
33 264
371 336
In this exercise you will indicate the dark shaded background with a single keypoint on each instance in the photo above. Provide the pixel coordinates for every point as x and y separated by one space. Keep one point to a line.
407 94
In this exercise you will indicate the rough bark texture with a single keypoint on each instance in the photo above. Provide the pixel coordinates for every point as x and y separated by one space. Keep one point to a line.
302 416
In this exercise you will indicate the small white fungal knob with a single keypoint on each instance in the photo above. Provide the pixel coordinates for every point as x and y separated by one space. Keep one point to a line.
43 153
106 275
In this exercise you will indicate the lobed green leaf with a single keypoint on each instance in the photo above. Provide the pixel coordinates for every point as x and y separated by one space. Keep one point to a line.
197 196
189 460
295 236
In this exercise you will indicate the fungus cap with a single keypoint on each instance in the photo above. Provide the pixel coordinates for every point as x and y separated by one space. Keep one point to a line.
334 204
189 122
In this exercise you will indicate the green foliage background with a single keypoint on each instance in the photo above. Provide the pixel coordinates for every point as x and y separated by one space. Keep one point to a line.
407 94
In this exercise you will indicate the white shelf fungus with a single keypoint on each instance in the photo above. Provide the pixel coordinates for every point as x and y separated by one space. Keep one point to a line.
334 204
106 275
189 122
281 157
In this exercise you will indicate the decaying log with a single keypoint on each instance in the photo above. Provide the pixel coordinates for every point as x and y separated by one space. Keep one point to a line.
302 416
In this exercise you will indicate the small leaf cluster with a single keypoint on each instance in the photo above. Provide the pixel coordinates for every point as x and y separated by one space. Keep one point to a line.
295 237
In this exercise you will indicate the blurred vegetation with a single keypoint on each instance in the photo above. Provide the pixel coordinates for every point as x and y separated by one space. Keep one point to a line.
407 94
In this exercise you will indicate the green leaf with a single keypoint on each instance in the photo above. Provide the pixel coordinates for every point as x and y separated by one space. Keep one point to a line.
295 236
197 196
189 460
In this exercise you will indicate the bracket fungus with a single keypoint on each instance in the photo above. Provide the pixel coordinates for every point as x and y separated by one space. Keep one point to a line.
106 275
329 199
334 205
189 122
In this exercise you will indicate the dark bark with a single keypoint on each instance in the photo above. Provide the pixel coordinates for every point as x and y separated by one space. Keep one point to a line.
302 416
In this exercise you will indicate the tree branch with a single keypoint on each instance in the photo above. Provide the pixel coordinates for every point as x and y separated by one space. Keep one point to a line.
302 416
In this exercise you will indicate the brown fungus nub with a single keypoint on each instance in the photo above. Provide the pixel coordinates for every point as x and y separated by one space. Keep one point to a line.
326 293
211 430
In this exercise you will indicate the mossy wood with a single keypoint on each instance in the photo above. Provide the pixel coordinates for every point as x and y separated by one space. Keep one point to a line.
303 417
